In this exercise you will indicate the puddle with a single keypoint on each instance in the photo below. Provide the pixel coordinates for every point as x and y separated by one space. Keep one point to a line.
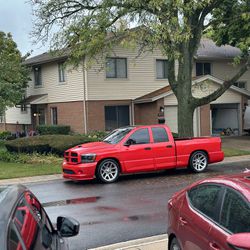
72 201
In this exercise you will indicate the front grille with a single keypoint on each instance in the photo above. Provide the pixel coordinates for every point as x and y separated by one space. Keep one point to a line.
72 157
68 171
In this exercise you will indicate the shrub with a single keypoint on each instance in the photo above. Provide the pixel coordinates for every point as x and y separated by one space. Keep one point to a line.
45 144
97 134
4 135
53 129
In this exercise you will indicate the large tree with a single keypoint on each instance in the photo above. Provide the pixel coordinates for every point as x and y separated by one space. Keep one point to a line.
13 75
175 26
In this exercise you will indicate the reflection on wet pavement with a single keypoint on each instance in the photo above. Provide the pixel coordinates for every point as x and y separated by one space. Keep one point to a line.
71 201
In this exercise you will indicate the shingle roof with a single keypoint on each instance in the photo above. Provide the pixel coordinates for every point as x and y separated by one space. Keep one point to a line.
209 50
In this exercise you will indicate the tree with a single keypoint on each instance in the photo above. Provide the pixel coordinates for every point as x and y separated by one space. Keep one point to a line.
13 75
176 26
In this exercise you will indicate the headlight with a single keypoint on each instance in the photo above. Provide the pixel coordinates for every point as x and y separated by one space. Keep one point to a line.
88 158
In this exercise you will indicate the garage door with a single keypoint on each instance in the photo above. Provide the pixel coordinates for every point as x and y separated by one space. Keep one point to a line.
172 121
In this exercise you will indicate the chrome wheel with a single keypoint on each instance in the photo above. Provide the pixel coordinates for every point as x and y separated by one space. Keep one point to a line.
198 161
108 171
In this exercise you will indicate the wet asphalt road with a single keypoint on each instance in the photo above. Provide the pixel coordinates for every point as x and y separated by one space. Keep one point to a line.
134 207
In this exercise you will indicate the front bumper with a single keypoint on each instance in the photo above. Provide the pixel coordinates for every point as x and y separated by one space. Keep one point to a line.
84 171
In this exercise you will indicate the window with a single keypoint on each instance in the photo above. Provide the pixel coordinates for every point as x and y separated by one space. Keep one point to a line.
1 117
13 240
116 68
160 135
140 136
205 198
53 112
38 75
116 116
240 84
23 108
203 69
61 71
235 213
161 69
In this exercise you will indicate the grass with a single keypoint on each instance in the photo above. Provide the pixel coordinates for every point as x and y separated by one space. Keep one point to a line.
229 152
14 170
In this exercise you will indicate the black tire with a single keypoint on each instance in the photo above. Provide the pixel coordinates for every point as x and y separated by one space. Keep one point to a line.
198 161
175 245
108 171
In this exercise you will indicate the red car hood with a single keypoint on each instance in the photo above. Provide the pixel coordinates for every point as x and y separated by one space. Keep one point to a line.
93 147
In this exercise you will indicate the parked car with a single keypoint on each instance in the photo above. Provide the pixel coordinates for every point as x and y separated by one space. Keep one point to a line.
24 224
136 149
211 214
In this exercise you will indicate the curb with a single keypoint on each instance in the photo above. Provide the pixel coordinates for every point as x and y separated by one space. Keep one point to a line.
158 242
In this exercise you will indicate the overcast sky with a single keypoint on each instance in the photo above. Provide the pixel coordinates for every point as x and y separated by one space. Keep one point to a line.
16 18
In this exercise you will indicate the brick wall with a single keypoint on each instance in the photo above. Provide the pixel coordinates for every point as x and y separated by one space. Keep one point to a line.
96 113
147 113
205 120
69 113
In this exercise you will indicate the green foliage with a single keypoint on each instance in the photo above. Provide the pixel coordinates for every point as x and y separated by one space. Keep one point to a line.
4 135
97 134
13 75
45 144
53 129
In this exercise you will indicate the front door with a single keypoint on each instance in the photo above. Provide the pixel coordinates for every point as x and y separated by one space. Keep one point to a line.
138 156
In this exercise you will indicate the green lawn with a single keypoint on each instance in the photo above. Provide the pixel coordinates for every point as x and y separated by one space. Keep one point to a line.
234 152
14 170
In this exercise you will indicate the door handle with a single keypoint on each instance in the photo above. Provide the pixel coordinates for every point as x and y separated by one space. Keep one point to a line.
169 146
214 246
183 221
147 148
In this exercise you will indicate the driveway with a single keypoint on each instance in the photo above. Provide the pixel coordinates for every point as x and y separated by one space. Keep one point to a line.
239 142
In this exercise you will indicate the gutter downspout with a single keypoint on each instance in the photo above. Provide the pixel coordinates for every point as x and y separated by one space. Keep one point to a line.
84 95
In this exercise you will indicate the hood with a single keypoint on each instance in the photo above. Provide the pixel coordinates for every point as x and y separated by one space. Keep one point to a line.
93 147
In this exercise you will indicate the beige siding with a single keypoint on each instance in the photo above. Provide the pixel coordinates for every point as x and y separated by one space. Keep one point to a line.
224 70
141 77
70 90
14 115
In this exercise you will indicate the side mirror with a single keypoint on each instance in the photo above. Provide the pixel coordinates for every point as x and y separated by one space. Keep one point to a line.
129 142
67 227
240 240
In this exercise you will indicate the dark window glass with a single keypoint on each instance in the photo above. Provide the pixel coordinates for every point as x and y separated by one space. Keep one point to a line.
13 240
41 116
160 135
161 69
116 116
54 115
116 68
203 69
140 136
235 214
61 72
38 75
240 84
205 199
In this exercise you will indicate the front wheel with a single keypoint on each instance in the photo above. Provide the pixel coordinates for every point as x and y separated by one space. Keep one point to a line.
108 171
175 245
198 161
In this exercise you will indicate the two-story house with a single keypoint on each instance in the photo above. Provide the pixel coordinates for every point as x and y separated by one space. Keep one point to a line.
129 89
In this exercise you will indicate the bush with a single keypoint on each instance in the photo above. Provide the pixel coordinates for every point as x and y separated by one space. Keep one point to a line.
5 135
45 144
97 134
53 129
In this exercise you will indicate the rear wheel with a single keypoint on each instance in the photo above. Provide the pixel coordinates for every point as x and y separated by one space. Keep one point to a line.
198 161
175 245
108 171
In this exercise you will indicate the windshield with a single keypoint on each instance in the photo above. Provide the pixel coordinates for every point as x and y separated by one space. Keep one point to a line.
117 135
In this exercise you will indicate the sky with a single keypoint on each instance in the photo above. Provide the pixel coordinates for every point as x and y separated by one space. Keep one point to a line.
16 18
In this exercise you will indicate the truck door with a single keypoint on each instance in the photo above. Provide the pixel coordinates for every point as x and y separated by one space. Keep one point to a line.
163 148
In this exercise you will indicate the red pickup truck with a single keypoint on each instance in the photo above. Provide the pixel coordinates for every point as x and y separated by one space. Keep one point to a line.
136 149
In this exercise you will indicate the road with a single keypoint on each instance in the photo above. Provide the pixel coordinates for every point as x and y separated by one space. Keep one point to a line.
134 207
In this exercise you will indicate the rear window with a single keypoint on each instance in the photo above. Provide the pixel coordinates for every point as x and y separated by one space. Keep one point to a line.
160 134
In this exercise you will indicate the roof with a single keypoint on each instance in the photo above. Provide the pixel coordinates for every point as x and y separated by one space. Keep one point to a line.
207 50
166 91
240 182
35 99
9 195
